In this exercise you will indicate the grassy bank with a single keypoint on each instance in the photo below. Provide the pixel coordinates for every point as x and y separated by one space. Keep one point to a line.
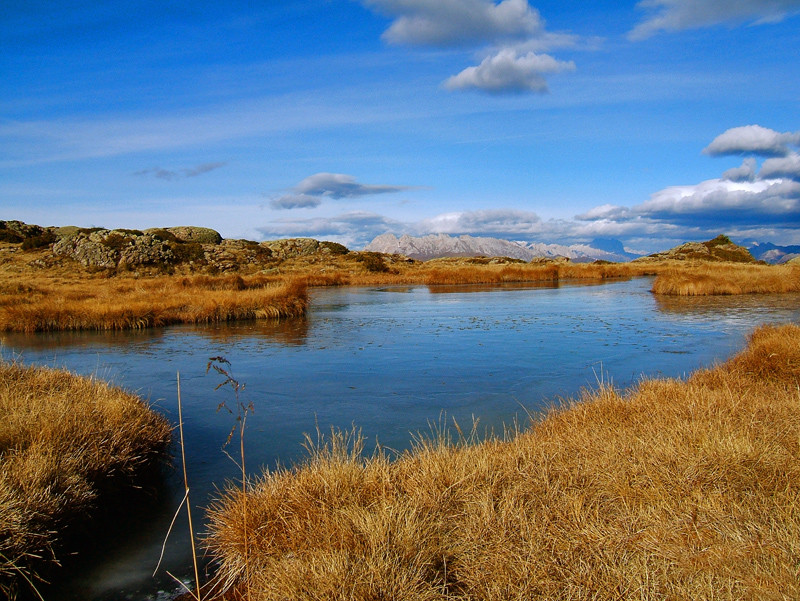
64 440
36 295
673 490
36 305
732 278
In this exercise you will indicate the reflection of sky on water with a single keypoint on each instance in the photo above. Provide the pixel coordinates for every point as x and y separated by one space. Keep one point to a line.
390 361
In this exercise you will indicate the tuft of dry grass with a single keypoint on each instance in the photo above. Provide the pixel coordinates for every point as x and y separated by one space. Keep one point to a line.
733 278
672 490
127 303
63 440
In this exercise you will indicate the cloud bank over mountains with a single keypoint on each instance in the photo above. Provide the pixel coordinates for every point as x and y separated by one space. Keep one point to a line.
752 201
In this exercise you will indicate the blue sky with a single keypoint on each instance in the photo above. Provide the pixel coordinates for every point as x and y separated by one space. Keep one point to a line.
653 122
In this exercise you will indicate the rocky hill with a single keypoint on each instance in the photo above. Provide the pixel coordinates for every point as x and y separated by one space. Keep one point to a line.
718 249
189 247
436 246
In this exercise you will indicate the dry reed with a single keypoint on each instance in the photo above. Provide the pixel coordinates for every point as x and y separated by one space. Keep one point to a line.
63 440
125 303
673 490
63 299
714 279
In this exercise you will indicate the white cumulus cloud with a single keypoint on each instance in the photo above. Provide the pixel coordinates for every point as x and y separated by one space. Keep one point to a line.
508 71
753 139
788 166
456 22
510 35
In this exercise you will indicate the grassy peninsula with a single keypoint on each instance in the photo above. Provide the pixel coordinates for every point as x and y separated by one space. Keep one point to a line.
66 443
672 490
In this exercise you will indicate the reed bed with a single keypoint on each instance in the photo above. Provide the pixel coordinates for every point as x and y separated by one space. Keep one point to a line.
65 442
672 490
714 279
461 270
127 303
60 299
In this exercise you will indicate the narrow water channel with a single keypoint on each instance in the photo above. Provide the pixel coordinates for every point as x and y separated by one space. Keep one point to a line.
389 361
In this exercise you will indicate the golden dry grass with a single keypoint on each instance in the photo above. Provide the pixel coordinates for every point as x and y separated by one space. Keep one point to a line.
63 438
732 278
128 303
39 292
673 490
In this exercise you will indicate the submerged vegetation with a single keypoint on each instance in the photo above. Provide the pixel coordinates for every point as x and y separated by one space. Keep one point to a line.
672 490
66 443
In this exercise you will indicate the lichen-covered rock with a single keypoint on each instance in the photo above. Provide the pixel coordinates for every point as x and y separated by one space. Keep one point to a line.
64 231
288 248
233 254
114 248
190 233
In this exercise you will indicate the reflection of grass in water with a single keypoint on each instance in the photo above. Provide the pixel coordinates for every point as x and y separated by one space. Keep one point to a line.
676 489
65 442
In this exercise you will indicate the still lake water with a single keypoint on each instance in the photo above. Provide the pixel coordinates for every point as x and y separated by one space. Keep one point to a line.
390 361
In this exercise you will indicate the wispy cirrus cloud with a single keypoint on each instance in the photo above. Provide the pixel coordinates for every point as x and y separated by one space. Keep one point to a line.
678 15
313 190
510 36
172 174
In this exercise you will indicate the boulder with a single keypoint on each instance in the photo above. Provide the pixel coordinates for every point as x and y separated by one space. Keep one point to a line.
288 248
190 233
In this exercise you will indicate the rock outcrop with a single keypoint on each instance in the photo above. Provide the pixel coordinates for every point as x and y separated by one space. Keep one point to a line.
164 247
114 248
18 231
288 248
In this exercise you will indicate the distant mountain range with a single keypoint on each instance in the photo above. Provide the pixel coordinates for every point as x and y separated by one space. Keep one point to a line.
442 245
766 251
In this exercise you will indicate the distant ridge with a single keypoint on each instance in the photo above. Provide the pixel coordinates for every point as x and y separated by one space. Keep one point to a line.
771 253
442 245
